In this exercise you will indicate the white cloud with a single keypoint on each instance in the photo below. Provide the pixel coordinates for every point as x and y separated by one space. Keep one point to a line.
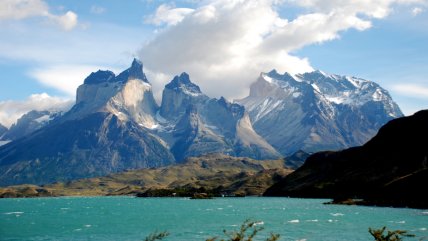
62 60
67 21
97 9
411 90
64 78
11 110
167 14
416 11
22 9
48 46
224 44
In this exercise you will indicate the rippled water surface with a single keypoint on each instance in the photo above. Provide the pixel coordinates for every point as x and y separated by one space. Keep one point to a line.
128 218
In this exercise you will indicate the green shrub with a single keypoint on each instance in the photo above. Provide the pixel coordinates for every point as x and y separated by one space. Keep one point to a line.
396 235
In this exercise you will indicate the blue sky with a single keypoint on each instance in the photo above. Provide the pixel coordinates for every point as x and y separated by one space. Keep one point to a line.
47 47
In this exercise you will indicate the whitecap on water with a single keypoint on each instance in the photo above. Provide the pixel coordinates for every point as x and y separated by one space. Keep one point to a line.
11 213
332 220
337 214
401 222
425 213
294 221
312 220
87 225
259 223
423 229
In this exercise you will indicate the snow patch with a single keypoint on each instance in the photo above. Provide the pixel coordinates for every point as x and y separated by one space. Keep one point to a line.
266 107
4 142
296 94
267 78
43 119
377 95
336 100
316 87
189 92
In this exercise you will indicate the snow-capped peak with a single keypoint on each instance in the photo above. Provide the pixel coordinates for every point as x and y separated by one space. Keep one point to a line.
333 88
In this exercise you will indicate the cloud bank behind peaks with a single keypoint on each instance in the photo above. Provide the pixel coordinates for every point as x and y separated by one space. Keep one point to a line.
11 110
225 44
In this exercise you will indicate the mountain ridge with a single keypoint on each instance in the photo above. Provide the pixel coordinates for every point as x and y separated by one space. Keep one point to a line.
316 111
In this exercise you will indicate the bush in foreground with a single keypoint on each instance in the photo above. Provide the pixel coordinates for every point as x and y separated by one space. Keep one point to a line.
249 229
396 235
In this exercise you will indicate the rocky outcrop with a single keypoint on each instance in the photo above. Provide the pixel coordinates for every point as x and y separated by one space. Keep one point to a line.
178 95
390 169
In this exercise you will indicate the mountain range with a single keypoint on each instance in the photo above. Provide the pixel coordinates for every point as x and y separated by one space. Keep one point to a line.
389 170
317 111
29 123
116 124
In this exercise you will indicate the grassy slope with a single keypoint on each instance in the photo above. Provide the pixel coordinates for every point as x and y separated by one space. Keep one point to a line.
236 175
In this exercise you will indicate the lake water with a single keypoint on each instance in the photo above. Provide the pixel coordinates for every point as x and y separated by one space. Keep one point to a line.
128 218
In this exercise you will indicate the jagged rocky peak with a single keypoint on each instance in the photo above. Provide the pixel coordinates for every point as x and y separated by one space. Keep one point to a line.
237 110
183 84
129 96
332 83
99 77
133 72
178 95
107 76
275 75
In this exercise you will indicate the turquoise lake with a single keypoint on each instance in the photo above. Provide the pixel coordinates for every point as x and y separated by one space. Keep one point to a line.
129 218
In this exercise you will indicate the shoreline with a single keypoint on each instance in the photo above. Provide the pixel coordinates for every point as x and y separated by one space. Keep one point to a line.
327 201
